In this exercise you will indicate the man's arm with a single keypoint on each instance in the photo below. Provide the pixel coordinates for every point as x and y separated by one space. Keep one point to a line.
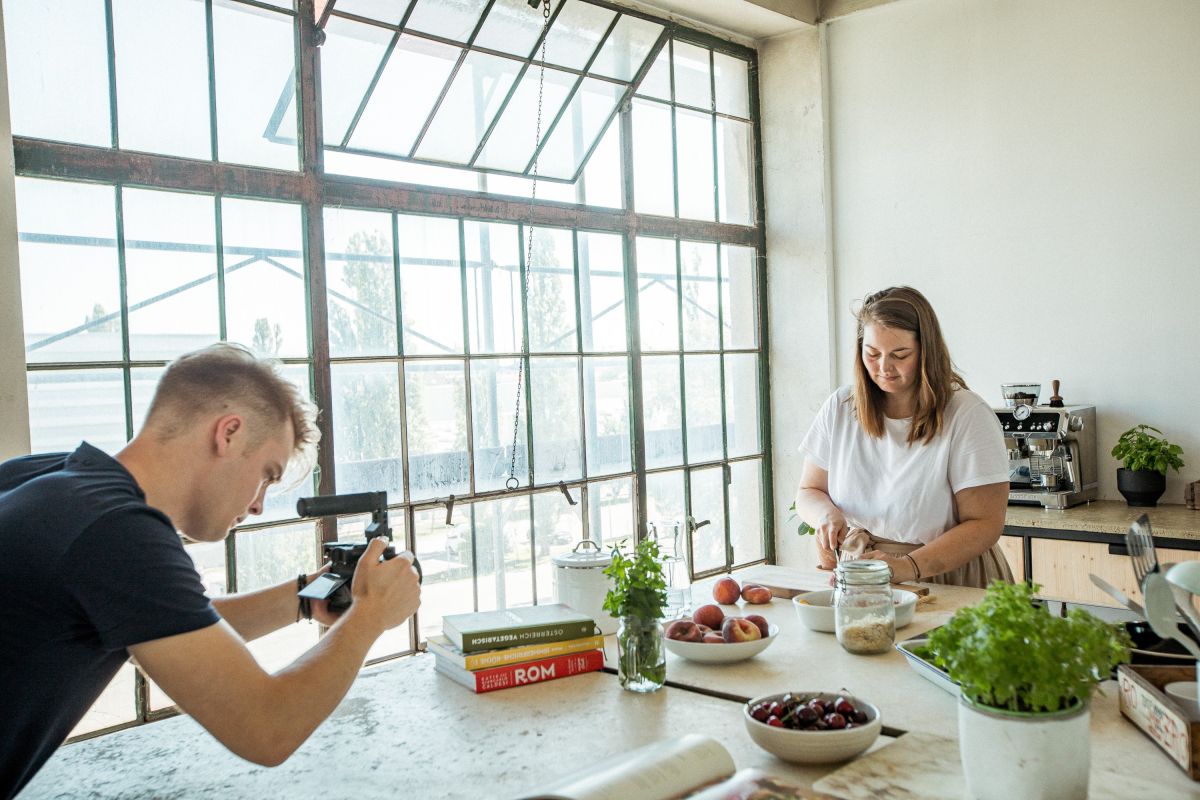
255 614
262 717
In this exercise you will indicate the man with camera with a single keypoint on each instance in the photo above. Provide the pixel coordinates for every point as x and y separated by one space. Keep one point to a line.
92 572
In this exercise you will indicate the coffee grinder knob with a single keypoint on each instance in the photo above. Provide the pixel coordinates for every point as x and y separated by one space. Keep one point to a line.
1074 423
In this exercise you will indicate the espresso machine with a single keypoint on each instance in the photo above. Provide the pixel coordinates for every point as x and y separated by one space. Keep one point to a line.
1051 454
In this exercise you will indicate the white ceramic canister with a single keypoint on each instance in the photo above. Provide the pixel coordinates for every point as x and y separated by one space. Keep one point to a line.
580 582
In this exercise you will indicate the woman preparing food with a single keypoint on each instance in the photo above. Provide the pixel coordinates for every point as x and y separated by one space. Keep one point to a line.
907 465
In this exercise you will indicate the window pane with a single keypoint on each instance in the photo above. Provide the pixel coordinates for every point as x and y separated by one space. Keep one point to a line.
627 47
69 406
280 502
576 33
503 552
745 511
162 77
554 401
660 407
58 70
702 383
430 267
70 285
552 292
580 125
653 161
658 297
142 383
256 119
381 128
170 272
512 27
701 324
602 176
115 705
602 291
657 82
276 650
493 395
209 558
708 503
694 145
557 527
447 561
493 287
435 405
732 84
262 251
389 169
479 88
511 144
389 11
610 512
693 85
738 292
606 409
273 555
349 58
450 19
360 281
366 429
664 496
741 404
734 154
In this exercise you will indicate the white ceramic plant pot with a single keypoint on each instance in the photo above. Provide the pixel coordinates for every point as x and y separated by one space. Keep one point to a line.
1012 754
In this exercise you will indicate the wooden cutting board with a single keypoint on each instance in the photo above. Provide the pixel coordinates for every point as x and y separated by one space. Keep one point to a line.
787 582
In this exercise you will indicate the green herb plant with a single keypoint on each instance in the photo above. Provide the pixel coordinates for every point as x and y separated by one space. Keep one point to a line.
1138 449
1009 653
639 596
802 527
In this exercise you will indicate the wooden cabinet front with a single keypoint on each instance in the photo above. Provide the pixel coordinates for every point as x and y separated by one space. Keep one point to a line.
1062 568
1014 553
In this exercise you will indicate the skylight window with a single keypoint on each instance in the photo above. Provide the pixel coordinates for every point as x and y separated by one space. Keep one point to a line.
456 82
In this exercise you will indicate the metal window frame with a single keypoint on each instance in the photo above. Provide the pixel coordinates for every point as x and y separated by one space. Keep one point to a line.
314 191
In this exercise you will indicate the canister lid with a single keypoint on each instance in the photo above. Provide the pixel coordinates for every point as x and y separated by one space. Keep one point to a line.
586 555
863 572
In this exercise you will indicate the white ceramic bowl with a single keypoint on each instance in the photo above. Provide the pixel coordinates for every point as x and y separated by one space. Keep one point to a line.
722 653
813 747
815 609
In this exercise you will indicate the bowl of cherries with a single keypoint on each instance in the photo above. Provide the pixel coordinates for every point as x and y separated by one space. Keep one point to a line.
812 727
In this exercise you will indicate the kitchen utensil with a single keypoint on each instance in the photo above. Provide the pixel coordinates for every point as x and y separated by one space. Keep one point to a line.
1140 543
1117 594
1161 611
1185 583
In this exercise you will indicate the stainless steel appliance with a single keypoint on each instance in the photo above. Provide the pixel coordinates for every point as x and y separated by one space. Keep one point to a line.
1051 454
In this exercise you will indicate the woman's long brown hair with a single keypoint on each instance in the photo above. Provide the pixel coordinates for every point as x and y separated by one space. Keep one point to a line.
904 308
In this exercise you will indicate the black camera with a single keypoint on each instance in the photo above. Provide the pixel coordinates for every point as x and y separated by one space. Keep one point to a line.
334 586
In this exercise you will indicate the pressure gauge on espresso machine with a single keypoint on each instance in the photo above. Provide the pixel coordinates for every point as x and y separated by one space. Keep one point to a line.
1022 412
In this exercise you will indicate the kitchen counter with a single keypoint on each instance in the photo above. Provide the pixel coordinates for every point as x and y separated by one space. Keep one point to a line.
404 730
1107 516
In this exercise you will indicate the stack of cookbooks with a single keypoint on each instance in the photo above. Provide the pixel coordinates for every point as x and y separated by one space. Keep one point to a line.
489 650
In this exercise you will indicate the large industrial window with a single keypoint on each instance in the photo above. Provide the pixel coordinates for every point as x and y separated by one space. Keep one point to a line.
350 188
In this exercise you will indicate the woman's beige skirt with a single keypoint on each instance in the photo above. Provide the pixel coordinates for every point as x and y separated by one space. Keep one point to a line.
978 572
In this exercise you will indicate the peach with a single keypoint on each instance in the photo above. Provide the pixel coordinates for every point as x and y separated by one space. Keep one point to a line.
703 628
737 629
709 615
761 622
726 591
758 595
713 637
684 630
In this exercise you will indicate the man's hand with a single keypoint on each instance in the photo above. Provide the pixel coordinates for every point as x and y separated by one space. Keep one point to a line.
386 592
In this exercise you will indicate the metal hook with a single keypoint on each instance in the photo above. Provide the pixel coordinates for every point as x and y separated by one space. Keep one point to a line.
562 487
450 510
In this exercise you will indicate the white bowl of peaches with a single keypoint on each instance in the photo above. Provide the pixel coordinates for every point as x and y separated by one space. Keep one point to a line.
711 636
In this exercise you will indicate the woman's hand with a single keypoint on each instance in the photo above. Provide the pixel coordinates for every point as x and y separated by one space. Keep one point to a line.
901 567
831 529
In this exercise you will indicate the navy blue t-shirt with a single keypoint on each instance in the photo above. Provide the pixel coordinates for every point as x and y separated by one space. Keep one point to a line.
86 570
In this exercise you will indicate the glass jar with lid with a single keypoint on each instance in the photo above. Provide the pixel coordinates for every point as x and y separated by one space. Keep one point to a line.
864 615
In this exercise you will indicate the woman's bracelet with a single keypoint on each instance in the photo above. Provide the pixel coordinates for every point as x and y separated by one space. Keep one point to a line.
305 609
916 569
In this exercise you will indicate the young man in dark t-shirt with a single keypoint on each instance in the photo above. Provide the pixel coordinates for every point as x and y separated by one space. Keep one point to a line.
92 572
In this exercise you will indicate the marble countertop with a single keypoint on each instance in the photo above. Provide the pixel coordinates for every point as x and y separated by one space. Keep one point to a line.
1108 516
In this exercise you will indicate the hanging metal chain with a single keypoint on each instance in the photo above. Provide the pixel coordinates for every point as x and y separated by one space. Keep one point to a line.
512 482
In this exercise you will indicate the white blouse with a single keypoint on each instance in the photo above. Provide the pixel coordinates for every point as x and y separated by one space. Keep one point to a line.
899 491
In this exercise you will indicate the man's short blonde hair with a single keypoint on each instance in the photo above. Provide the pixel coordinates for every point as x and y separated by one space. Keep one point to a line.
224 377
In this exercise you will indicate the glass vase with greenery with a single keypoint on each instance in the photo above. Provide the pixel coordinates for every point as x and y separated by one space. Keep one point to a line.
638 598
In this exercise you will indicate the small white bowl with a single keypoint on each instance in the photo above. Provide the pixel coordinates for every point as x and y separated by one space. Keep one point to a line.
815 609
813 747
721 652
1184 693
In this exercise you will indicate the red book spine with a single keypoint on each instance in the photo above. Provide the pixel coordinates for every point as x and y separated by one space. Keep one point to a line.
546 669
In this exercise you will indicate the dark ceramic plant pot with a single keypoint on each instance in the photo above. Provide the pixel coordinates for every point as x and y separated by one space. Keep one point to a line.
1141 487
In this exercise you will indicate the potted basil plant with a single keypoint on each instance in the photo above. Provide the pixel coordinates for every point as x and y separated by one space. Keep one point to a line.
638 598
1026 678
1145 459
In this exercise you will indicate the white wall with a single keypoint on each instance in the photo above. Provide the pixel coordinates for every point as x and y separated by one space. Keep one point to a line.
1034 168
14 403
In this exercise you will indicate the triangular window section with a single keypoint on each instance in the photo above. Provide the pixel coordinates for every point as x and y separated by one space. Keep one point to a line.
455 82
